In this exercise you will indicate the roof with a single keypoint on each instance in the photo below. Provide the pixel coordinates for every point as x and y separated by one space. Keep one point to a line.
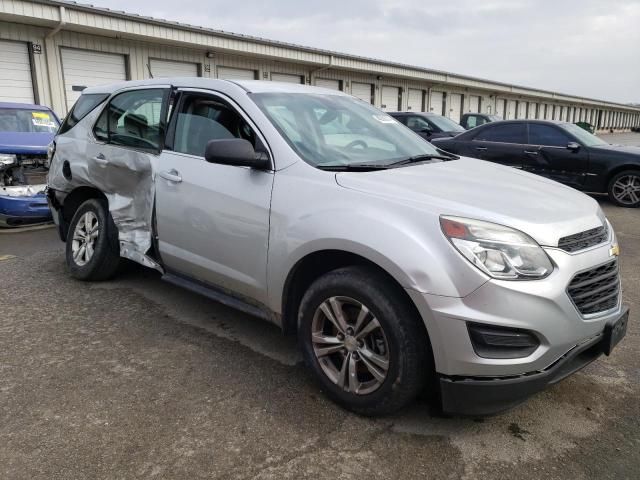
23 106
252 86
450 77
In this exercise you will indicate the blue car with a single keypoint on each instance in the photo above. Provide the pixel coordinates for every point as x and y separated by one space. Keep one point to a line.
25 134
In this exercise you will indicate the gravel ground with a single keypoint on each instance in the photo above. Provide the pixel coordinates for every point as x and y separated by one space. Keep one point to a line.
134 378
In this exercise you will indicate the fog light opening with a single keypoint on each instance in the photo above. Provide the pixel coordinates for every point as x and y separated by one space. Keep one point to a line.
501 342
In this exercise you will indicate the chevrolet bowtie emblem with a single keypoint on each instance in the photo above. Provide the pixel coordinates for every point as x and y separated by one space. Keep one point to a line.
614 251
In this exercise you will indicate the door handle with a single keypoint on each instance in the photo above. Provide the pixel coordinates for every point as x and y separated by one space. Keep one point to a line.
481 149
171 175
531 152
101 160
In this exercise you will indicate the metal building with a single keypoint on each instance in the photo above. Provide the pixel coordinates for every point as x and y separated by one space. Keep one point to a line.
51 50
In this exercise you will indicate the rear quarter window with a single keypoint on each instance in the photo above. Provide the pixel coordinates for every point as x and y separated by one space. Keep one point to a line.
85 105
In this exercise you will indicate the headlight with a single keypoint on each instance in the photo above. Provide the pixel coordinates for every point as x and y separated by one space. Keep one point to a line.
500 252
7 159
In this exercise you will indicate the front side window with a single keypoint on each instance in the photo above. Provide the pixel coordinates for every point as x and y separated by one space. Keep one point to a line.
336 130
506 133
418 124
83 106
20 120
472 121
585 138
133 119
546 135
204 118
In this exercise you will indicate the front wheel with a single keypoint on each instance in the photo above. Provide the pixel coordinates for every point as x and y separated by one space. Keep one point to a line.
364 342
624 189
92 249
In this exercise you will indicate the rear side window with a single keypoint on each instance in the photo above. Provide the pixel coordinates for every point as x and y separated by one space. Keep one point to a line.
85 105
546 135
506 133
133 119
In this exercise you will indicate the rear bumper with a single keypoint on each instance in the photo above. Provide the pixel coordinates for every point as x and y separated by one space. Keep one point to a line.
488 396
18 211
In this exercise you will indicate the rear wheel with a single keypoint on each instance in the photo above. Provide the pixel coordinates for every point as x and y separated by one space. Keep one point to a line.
92 250
363 341
624 189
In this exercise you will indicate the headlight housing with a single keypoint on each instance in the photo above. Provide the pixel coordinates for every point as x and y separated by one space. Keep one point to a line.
501 252
7 159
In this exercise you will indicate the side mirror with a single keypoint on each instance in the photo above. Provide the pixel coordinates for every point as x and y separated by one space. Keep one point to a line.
573 146
237 152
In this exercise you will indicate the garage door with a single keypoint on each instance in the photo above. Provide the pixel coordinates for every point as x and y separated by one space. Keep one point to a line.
83 68
531 110
15 73
229 73
362 91
522 109
501 106
455 107
390 99
511 110
474 104
414 100
436 103
169 68
286 78
328 83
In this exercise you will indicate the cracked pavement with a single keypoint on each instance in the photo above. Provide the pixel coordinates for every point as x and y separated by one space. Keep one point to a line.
134 378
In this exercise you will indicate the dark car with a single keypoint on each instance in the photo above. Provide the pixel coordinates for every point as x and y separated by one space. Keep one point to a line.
561 151
428 125
25 134
473 120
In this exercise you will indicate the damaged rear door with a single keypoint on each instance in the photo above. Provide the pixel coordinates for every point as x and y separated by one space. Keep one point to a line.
212 219
130 134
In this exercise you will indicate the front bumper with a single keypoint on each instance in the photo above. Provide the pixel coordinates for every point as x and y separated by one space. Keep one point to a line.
17 211
542 307
483 396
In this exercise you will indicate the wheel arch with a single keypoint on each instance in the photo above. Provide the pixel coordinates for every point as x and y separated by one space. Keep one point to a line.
72 202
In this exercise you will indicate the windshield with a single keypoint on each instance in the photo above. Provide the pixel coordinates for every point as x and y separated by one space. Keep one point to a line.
334 130
27 121
445 124
585 138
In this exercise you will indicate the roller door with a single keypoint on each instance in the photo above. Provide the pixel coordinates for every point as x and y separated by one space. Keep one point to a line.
362 91
286 78
531 110
230 73
522 109
16 84
455 107
511 110
169 68
501 108
390 99
84 68
414 100
436 104
328 83
474 104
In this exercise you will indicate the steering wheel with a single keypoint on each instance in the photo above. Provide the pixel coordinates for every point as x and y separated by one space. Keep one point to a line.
357 143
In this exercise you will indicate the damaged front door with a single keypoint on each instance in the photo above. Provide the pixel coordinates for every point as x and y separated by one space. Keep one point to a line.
212 220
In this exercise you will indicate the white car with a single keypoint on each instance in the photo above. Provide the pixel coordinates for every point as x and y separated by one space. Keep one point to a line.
400 267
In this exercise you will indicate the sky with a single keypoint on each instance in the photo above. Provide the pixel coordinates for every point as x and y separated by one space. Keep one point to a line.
583 47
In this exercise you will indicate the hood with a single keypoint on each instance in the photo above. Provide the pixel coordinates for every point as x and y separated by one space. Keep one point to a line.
627 149
544 209
25 142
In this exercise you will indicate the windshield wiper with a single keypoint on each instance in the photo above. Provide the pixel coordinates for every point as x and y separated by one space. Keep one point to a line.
356 167
421 158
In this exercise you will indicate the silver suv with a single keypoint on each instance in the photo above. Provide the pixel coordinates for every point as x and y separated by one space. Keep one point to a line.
400 267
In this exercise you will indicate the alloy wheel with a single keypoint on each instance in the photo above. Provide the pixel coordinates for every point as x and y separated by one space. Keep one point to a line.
626 189
350 345
84 238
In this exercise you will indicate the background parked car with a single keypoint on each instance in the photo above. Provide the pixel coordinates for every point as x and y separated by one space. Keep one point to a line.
472 120
561 151
25 133
428 125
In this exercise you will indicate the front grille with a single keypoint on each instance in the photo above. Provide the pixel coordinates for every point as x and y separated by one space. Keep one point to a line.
596 290
582 240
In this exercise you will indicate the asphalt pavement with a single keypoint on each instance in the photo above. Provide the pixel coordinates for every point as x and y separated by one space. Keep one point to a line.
135 378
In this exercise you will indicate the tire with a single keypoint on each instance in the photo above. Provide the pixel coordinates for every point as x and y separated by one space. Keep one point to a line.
624 189
103 262
400 339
